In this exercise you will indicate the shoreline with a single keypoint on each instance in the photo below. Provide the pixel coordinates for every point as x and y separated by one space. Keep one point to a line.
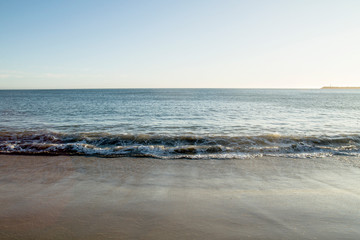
74 197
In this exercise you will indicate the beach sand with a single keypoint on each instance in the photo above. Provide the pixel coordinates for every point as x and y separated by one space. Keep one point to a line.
65 197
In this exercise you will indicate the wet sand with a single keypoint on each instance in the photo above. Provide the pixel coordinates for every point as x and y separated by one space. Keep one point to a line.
126 198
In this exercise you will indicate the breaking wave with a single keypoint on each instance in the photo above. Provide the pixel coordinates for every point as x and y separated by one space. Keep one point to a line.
187 146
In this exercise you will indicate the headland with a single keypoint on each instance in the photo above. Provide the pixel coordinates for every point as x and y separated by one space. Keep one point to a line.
331 87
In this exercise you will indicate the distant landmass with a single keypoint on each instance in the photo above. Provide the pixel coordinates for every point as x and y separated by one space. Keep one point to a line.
330 87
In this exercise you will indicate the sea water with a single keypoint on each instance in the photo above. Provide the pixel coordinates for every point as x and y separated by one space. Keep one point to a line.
181 123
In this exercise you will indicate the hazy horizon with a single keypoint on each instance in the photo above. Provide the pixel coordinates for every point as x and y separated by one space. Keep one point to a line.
255 88
185 44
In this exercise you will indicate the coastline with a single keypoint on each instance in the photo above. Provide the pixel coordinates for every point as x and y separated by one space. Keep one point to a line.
66 197
331 87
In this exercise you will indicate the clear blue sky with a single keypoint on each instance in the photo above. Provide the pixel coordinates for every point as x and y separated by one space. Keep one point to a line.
204 43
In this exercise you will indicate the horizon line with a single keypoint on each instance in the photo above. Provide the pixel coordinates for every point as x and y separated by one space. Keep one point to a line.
11 89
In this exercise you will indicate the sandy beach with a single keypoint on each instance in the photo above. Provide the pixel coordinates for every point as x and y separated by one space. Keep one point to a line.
66 197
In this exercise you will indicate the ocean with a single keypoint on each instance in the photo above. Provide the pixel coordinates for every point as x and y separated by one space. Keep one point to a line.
181 123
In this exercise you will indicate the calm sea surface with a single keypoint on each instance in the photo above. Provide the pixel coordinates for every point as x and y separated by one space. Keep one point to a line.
181 123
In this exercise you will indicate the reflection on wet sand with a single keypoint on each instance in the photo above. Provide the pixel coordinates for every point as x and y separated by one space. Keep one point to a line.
126 198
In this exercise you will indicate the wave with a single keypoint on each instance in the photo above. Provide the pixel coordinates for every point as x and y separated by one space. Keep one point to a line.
181 146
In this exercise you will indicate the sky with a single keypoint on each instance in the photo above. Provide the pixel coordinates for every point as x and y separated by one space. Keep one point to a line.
179 44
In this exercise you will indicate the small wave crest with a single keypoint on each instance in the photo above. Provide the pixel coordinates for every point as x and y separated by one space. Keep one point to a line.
182 146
